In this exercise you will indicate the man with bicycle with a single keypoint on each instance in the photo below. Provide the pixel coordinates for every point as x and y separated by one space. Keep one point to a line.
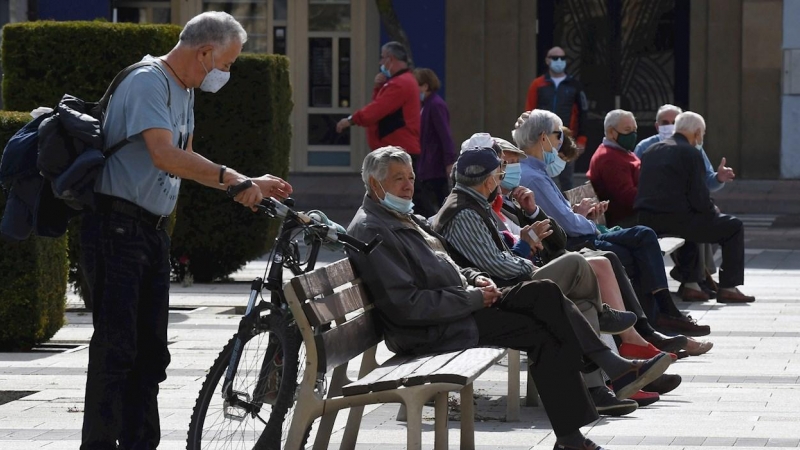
125 247
428 304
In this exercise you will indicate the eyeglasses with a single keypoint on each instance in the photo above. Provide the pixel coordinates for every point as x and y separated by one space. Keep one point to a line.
556 57
500 176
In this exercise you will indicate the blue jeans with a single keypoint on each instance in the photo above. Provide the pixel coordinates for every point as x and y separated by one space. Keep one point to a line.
126 263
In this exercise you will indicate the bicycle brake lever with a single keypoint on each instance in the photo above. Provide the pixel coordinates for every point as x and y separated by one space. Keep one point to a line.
233 191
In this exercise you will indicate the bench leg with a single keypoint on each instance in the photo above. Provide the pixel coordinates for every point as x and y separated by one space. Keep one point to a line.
440 425
414 424
467 418
512 406
401 413
351 429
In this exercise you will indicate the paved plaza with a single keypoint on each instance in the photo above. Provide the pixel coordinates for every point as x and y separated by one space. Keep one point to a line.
745 393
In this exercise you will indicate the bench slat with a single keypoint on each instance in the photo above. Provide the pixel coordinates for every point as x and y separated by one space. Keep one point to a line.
339 345
323 280
430 366
670 244
386 370
467 366
324 310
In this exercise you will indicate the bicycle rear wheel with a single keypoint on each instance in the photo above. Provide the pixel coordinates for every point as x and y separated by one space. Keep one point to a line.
264 388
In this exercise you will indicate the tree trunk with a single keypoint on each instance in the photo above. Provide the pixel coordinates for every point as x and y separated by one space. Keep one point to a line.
393 26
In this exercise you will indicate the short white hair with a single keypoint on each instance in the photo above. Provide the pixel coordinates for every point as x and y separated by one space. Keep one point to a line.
689 122
376 164
540 121
215 28
613 118
667 108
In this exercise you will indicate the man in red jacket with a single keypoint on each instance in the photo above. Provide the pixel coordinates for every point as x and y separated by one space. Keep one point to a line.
614 168
392 118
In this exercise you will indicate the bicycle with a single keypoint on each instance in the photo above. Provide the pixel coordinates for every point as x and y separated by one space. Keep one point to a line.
256 374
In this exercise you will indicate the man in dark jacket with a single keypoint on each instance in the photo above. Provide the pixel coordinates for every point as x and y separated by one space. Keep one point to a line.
562 94
673 198
429 304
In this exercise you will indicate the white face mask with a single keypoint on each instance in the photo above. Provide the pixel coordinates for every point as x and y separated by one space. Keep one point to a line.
666 131
214 79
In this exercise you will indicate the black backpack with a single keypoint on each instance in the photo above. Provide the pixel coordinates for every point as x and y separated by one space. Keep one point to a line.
49 167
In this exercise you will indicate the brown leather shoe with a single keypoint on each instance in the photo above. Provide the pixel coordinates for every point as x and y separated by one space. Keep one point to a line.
692 295
736 296
684 325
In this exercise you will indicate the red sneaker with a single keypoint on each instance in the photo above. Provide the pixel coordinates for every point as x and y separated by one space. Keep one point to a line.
644 398
633 351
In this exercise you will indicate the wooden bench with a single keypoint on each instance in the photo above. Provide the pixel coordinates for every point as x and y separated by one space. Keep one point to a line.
338 322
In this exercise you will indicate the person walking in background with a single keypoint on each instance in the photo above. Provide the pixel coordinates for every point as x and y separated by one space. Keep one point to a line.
562 94
436 144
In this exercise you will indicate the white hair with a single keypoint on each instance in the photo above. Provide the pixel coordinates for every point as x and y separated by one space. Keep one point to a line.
540 121
613 118
216 28
689 122
376 164
667 108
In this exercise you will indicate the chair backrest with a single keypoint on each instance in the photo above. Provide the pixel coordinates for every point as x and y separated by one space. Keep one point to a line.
341 313
575 195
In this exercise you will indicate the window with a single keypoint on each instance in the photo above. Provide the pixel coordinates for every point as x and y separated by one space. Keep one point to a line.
264 20
152 11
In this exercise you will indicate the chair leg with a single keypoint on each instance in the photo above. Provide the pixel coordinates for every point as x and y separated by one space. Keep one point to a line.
467 418
512 405
440 425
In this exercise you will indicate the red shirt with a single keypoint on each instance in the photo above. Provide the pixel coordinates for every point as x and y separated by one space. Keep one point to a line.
614 173
392 118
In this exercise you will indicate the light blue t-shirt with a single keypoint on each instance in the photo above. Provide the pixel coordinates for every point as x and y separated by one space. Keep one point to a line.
139 104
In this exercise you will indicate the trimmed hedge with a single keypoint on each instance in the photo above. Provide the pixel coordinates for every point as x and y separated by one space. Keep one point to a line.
244 126
33 273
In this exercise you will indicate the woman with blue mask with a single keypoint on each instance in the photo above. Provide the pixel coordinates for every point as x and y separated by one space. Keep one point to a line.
436 143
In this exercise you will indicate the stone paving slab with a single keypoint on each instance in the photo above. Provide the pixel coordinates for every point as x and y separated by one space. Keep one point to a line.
744 394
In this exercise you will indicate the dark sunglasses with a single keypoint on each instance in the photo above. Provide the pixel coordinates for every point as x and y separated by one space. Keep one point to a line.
558 133
500 176
555 57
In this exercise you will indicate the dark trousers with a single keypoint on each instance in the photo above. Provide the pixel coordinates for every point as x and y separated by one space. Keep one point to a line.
638 250
126 263
713 228
629 298
535 317
429 196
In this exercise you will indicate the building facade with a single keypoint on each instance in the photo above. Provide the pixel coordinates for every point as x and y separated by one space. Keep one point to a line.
736 62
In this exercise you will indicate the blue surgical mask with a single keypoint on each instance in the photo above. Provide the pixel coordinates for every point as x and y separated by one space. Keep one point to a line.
513 175
553 164
396 203
699 146
422 96
558 65
385 71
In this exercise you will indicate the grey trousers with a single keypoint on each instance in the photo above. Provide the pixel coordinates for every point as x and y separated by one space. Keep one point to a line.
573 274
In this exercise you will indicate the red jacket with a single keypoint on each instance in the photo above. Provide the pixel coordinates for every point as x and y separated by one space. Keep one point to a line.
614 173
392 118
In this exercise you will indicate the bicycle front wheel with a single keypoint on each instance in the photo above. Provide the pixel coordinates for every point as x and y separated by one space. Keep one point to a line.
263 391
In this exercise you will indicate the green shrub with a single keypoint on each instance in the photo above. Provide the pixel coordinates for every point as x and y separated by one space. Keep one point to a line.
33 274
246 127
44 60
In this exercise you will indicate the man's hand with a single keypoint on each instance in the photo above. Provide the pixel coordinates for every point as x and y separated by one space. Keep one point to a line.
482 281
272 186
585 207
599 210
521 119
490 295
342 125
724 174
250 197
380 78
525 198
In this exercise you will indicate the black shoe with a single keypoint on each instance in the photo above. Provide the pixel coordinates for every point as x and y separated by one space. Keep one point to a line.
663 384
615 322
641 373
608 404
670 344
